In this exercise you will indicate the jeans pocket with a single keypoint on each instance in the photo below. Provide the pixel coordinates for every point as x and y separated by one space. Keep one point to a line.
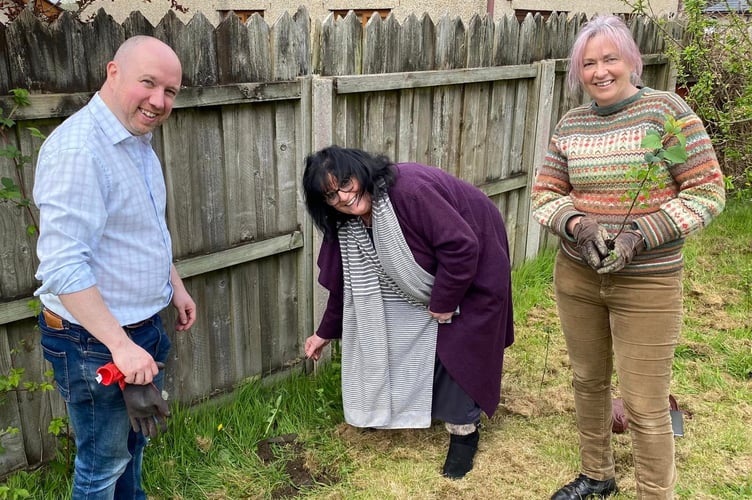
59 361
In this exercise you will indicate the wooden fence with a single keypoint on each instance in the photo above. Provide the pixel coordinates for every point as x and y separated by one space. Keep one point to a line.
476 100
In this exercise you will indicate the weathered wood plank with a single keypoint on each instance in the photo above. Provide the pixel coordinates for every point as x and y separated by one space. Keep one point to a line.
451 46
34 406
528 242
322 106
435 78
239 255
305 262
498 131
55 64
480 37
233 51
474 133
137 24
260 50
341 48
18 260
381 48
63 105
188 374
511 183
506 41
100 39
417 41
195 45
5 77
14 454
265 171
221 370
289 48
238 124
285 161
415 110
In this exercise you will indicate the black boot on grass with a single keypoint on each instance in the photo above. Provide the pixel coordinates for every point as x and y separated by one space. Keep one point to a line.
459 460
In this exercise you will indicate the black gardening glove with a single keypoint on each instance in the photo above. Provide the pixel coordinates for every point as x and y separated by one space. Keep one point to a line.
591 241
147 410
628 244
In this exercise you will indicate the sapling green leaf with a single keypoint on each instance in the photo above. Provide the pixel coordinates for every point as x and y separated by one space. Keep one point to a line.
652 140
676 154
651 158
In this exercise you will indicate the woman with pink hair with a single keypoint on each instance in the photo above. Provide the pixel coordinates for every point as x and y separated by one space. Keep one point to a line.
618 273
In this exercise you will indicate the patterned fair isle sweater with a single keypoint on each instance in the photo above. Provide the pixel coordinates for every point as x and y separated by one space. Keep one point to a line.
586 171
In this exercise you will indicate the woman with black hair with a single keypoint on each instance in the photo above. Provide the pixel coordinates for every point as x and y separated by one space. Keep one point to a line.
417 267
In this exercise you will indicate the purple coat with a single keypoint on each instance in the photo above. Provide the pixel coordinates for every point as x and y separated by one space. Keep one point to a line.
457 234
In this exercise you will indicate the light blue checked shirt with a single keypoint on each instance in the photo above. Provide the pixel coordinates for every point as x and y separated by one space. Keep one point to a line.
101 198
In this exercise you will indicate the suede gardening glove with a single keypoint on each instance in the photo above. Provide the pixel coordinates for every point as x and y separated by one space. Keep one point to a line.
591 241
628 244
147 410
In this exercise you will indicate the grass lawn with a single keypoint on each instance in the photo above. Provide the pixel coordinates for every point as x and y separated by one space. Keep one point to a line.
287 439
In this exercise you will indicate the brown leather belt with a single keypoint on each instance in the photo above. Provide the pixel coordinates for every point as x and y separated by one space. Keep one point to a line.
55 321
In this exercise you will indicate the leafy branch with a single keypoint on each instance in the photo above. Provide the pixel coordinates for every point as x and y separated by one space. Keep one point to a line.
669 148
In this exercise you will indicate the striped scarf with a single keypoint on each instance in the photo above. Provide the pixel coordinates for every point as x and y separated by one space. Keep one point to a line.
388 337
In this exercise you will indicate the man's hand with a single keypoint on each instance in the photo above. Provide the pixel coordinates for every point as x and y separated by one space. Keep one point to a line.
591 241
135 363
186 310
182 301
147 410
628 244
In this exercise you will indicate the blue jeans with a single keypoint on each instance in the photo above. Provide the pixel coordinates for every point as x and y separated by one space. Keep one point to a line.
108 452
631 324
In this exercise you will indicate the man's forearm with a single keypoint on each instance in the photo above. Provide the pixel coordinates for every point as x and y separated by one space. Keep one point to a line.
91 312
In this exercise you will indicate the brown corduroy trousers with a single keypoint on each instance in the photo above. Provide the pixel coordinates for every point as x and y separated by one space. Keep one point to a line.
631 323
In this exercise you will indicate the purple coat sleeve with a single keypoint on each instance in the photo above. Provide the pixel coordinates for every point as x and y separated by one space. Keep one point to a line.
330 277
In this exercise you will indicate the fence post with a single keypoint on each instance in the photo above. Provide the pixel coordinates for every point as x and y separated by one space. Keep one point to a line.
322 126
545 97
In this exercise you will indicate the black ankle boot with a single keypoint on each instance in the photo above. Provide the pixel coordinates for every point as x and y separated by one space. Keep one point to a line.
584 487
459 460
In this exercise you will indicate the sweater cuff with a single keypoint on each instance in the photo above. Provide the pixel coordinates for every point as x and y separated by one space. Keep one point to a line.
656 228
560 220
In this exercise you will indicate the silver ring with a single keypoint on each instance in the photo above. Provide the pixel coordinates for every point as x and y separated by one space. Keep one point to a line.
443 321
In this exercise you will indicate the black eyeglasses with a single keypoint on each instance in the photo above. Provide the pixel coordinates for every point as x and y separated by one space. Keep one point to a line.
346 186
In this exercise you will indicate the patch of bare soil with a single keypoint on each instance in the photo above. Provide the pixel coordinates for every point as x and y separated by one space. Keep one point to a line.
288 448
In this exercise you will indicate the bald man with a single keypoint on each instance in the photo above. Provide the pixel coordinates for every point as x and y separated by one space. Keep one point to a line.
106 266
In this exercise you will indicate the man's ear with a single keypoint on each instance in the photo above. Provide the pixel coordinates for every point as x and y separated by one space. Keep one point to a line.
112 70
